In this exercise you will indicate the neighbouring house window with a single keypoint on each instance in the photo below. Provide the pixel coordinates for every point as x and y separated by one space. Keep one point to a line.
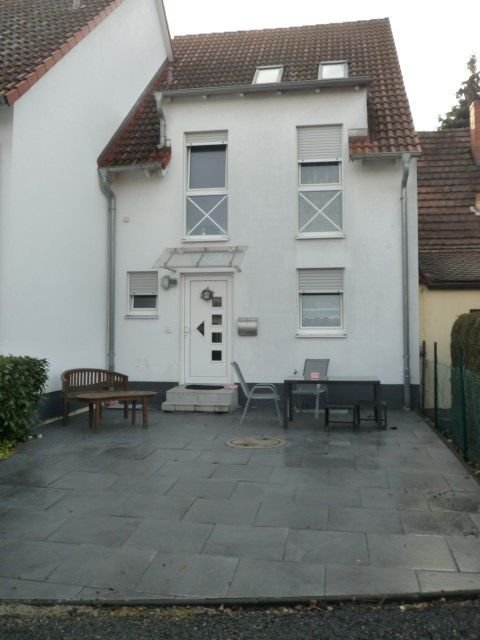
328 70
143 293
319 156
265 75
321 298
206 189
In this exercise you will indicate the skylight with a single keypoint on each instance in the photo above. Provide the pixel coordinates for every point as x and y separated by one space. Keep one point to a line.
329 70
265 75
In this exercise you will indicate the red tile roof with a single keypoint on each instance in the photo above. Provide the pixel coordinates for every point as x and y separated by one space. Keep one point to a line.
36 34
449 232
230 59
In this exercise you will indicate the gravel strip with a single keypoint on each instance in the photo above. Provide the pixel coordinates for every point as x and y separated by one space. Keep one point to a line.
440 620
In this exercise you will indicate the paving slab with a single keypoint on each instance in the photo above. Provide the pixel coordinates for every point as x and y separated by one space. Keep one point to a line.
172 512
326 546
342 580
190 576
270 579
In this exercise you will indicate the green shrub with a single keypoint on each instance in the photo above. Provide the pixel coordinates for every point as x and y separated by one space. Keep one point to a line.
22 384
465 342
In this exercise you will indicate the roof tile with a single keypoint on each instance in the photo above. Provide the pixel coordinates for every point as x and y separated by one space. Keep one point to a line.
34 31
449 232
229 59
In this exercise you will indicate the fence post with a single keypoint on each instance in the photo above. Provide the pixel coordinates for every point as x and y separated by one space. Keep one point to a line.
423 356
463 409
435 385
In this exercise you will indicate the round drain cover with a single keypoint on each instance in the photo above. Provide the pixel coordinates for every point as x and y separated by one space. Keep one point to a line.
256 442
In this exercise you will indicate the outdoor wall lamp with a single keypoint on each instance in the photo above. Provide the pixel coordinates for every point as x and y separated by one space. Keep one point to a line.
168 281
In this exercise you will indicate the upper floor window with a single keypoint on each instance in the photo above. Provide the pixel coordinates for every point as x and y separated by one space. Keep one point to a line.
143 293
206 188
264 75
319 156
329 70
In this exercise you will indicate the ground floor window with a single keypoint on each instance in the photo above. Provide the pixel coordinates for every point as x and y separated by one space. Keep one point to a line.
143 293
320 298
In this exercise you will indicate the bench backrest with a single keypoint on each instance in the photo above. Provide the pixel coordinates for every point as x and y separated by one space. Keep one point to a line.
79 380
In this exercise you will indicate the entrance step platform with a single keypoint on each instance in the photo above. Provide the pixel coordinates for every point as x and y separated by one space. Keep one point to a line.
208 401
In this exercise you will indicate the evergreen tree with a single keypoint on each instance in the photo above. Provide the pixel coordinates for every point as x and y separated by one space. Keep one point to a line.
458 117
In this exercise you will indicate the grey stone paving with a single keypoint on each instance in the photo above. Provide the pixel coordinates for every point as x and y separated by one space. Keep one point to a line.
173 513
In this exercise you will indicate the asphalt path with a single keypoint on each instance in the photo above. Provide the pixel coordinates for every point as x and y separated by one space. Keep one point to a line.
440 620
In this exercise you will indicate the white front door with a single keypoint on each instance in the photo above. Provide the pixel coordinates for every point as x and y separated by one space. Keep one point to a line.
207 320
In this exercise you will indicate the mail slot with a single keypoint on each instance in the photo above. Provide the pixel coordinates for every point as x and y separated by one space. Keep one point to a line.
247 326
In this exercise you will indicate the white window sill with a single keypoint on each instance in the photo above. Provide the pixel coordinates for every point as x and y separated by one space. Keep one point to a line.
316 236
321 333
141 316
205 239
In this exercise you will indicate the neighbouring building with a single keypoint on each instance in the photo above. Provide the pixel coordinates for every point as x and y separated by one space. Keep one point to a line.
69 74
449 230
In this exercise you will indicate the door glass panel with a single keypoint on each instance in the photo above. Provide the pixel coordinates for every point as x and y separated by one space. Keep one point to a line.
216 301
217 337
216 356
201 328
216 319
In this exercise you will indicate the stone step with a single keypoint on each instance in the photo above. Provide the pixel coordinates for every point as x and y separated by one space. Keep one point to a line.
208 401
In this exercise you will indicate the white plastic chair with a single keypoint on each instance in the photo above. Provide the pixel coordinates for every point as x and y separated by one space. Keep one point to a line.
262 391
320 366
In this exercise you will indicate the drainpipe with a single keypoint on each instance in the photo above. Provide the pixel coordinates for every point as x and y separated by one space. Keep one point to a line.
163 142
405 286
112 209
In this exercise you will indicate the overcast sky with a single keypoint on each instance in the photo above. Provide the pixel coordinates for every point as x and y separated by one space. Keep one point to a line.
434 40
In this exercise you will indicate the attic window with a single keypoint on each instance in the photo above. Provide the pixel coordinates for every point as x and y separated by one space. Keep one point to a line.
265 75
328 70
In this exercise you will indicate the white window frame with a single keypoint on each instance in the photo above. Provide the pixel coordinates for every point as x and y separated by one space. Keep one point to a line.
258 72
322 332
304 189
331 63
205 139
149 289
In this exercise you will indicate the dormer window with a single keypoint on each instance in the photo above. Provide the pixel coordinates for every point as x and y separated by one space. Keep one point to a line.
329 70
266 75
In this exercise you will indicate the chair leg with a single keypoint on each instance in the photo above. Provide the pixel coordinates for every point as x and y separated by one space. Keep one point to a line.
245 411
278 411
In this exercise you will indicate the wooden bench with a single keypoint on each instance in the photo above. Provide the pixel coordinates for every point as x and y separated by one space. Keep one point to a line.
79 381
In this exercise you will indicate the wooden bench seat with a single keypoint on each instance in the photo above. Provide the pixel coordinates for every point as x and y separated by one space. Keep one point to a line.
79 381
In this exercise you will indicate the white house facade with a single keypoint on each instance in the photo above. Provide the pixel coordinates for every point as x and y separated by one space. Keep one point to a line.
53 225
269 238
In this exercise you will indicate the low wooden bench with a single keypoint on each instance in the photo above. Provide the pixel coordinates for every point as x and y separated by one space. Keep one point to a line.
79 381
96 398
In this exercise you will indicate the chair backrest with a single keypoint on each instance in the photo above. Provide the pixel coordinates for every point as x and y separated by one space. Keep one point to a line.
239 375
316 364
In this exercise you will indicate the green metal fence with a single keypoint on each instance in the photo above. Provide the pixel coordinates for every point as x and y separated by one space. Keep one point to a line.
451 399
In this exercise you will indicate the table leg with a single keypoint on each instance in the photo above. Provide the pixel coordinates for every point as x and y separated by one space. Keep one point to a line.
91 415
145 413
290 403
285 405
377 399
96 413
134 406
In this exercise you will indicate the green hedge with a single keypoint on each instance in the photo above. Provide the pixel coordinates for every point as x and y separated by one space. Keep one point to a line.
465 342
22 384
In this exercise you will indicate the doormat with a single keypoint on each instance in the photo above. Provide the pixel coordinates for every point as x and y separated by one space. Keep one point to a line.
256 442
204 387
